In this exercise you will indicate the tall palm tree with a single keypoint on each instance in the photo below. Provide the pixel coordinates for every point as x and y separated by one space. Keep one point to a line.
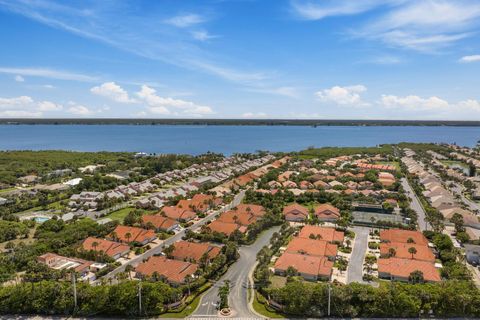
128 235
412 251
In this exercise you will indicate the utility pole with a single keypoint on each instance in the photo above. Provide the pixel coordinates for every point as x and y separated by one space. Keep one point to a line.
74 284
140 298
329 298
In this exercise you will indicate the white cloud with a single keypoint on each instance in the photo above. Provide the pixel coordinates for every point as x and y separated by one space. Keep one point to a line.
413 102
48 73
112 91
252 115
291 92
473 58
185 20
316 10
49 106
80 110
203 35
425 25
25 106
161 105
343 95
19 78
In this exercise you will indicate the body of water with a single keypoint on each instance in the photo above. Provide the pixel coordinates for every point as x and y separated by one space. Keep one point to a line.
222 139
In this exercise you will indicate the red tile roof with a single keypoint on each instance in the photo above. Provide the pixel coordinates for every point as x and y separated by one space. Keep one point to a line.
295 212
243 219
178 213
110 248
312 247
399 235
174 271
401 251
225 228
193 251
402 268
136 234
311 265
327 211
200 202
324 233
160 222
255 209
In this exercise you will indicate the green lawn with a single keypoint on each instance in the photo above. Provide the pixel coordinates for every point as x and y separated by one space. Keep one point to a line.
6 190
260 307
119 215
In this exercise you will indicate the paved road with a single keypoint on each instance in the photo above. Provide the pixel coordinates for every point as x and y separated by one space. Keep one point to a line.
237 274
156 250
458 189
355 265
415 205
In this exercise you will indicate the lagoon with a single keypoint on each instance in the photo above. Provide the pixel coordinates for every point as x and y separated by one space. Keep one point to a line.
192 139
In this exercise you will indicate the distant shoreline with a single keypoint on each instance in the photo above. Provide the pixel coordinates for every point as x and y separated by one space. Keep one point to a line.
239 122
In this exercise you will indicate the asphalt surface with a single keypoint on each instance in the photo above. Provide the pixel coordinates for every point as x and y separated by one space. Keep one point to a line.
415 205
458 189
156 250
238 275
355 265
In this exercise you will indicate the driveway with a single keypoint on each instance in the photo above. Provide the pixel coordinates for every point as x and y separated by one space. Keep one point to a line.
415 205
156 250
237 274
355 265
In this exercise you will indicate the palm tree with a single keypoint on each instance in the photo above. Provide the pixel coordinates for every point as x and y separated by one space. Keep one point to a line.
129 269
410 240
114 235
412 251
128 235
392 252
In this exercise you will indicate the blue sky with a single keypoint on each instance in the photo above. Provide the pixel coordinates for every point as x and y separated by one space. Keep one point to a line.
327 59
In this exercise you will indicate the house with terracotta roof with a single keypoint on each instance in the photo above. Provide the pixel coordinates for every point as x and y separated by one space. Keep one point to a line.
176 213
322 233
58 262
160 223
200 202
327 212
225 227
127 234
295 213
173 271
403 236
400 250
312 247
255 209
194 251
400 269
311 268
242 219
110 248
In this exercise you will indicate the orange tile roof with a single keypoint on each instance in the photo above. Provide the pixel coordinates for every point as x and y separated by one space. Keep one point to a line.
399 235
174 271
136 234
327 234
312 247
255 209
160 222
311 265
193 251
110 248
178 213
295 211
225 228
404 267
401 251
327 211
200 202
243 219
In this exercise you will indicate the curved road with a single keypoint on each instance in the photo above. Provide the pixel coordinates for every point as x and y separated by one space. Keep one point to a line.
156 250
237 274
